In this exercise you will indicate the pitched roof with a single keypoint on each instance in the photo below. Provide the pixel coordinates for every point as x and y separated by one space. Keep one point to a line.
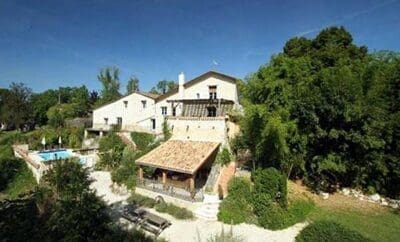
196 80
146 94
181 156
149 95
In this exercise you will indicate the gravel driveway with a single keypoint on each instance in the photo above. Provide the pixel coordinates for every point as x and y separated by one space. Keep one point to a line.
196 230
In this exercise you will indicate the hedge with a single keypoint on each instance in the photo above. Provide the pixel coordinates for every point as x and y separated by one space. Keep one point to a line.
329 231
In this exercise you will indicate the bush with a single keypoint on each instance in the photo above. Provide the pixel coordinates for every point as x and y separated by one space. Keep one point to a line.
111 142
224 156
272 182
224 237
126 172
9 168
166 130
140 200
275 217
175 211
240 188
236 208
142 140
6 152
111 152
329 231
22 183
235 211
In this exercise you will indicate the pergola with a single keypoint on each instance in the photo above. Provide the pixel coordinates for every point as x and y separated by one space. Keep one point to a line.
185 157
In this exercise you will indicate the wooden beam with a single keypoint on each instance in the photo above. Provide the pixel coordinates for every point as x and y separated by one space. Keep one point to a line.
141 173
164 177
192 182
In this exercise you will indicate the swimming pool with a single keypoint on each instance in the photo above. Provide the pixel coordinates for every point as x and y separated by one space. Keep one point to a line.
54 155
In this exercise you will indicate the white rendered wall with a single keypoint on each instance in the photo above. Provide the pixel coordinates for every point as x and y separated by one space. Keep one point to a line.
133 114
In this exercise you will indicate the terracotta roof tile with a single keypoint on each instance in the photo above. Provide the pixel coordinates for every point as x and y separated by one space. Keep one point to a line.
180 156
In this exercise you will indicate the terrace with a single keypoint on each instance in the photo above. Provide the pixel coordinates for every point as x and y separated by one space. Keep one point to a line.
181 168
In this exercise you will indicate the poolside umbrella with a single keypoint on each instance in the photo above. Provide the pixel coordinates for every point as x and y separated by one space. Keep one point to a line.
44 142
59 141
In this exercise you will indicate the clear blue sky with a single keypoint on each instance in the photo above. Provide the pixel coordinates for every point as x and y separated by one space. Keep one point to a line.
51 43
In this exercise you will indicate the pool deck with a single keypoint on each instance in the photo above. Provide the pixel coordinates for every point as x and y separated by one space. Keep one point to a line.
36 163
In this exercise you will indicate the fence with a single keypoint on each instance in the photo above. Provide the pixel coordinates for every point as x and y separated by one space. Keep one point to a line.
155 186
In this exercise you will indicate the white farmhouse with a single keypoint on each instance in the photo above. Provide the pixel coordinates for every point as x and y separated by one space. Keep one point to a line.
197 113
196 110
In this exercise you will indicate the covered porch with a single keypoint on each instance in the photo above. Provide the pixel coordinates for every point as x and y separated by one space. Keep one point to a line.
180 168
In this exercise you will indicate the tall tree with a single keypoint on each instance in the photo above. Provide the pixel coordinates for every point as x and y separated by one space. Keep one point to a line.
41 102
109 78
133 85
163 86
329 110
17 106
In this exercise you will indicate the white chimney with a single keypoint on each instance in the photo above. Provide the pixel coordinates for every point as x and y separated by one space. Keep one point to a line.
181 82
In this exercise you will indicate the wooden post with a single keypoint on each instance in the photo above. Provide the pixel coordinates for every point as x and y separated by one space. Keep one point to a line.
164 177
140 173
191 182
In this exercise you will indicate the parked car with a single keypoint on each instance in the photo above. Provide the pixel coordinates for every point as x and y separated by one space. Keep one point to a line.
154 223
133 213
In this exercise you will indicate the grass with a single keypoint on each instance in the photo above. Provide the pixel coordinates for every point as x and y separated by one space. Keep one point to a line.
370 220
377 226
21 183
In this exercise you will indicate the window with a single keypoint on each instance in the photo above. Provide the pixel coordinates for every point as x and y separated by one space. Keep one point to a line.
126 104
164 111
212 90
153 123
174 111
105 121
198 95
144 103
211 111
119 121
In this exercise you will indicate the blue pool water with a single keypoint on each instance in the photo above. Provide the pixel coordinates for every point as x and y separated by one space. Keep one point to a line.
53 155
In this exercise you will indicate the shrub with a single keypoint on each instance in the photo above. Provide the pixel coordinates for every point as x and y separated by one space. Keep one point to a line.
224 237
235 211
175 211
142 140
126 172
275 217
166 130
236 208
6 152
224 156
111 142
329 231
272 182
9 168
140 200
240 188
111 152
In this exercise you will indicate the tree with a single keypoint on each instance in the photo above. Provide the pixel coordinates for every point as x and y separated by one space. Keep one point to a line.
163 86
57 114
41 102
17 106
326 110
109 78
80 97
133 85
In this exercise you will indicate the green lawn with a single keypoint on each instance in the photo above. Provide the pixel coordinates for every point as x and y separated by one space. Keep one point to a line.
379 226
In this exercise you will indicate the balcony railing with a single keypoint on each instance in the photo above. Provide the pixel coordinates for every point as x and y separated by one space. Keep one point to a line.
196 118
155 186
